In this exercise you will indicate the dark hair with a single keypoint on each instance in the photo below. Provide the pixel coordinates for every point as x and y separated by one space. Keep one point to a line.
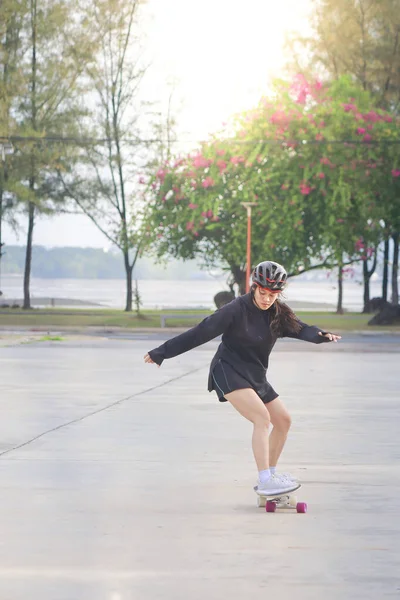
284 320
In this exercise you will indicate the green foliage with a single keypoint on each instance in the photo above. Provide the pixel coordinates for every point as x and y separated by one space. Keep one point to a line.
306 156
359 38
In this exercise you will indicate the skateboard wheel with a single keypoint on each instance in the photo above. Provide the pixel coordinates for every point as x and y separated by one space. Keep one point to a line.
293 501
301 507
270 506
261 501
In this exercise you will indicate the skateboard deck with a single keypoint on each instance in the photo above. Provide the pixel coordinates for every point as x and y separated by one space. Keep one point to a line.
281 501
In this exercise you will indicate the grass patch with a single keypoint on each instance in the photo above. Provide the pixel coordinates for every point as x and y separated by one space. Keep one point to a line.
39 318
51 338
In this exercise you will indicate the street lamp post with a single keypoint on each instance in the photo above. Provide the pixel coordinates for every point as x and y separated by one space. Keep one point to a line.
248 206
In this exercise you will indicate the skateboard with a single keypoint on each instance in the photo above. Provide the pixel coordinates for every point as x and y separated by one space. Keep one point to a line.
284 501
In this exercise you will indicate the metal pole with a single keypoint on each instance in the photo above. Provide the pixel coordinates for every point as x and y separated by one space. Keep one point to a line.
248 249
248 206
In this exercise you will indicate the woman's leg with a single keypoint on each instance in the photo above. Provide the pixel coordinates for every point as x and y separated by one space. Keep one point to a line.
281 422
250 406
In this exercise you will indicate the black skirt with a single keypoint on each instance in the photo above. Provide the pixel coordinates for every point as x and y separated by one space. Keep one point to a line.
224 379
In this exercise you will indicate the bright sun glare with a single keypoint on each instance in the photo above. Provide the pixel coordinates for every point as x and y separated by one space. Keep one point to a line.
221 53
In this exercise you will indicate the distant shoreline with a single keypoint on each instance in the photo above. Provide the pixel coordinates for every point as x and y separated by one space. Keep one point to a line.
47 302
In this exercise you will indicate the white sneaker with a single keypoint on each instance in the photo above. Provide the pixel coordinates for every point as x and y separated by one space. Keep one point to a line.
275 486
286 476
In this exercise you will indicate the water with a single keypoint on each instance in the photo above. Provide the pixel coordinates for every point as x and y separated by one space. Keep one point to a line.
174 294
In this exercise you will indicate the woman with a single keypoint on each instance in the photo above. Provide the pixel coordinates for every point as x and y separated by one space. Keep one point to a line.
250 326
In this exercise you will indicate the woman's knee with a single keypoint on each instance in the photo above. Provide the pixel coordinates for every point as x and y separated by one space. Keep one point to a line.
262 418
283 422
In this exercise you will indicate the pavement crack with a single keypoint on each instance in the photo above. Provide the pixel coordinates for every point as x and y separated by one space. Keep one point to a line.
100 410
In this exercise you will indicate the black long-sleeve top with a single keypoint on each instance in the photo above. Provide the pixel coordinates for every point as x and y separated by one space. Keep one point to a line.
247 339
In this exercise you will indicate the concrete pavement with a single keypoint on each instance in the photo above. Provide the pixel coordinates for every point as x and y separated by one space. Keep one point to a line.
122 481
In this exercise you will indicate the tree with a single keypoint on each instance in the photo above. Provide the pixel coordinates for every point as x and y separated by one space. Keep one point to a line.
365 43
53 46
305 155
360 38
104 180
10 54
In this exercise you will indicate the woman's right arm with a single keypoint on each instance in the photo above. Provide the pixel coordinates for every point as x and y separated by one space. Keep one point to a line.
206 330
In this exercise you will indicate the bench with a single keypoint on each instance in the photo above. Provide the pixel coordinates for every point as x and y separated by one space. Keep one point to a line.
165 316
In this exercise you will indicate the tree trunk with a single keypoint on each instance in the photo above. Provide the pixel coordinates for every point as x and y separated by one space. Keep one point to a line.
385 270
1 241
28 258
31 206
129 288
239 277
367 299
339 309
367 273
395 269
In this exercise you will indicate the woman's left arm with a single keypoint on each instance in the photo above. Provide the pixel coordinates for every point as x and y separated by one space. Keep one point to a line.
313 334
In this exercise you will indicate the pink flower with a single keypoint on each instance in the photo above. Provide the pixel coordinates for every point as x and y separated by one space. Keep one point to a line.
142 180
321 175
193 206
396 173
189 225
325 161
284 186
367 137
387 119
349 107
300 88
221 152
193 184
161 174
359 245
221 164
204 214
196 233
208 182
319 137
200 162
237 159
361 131
215 218
304 188
371 116
339 220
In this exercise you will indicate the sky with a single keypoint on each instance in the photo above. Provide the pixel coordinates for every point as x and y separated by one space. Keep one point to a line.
219 55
